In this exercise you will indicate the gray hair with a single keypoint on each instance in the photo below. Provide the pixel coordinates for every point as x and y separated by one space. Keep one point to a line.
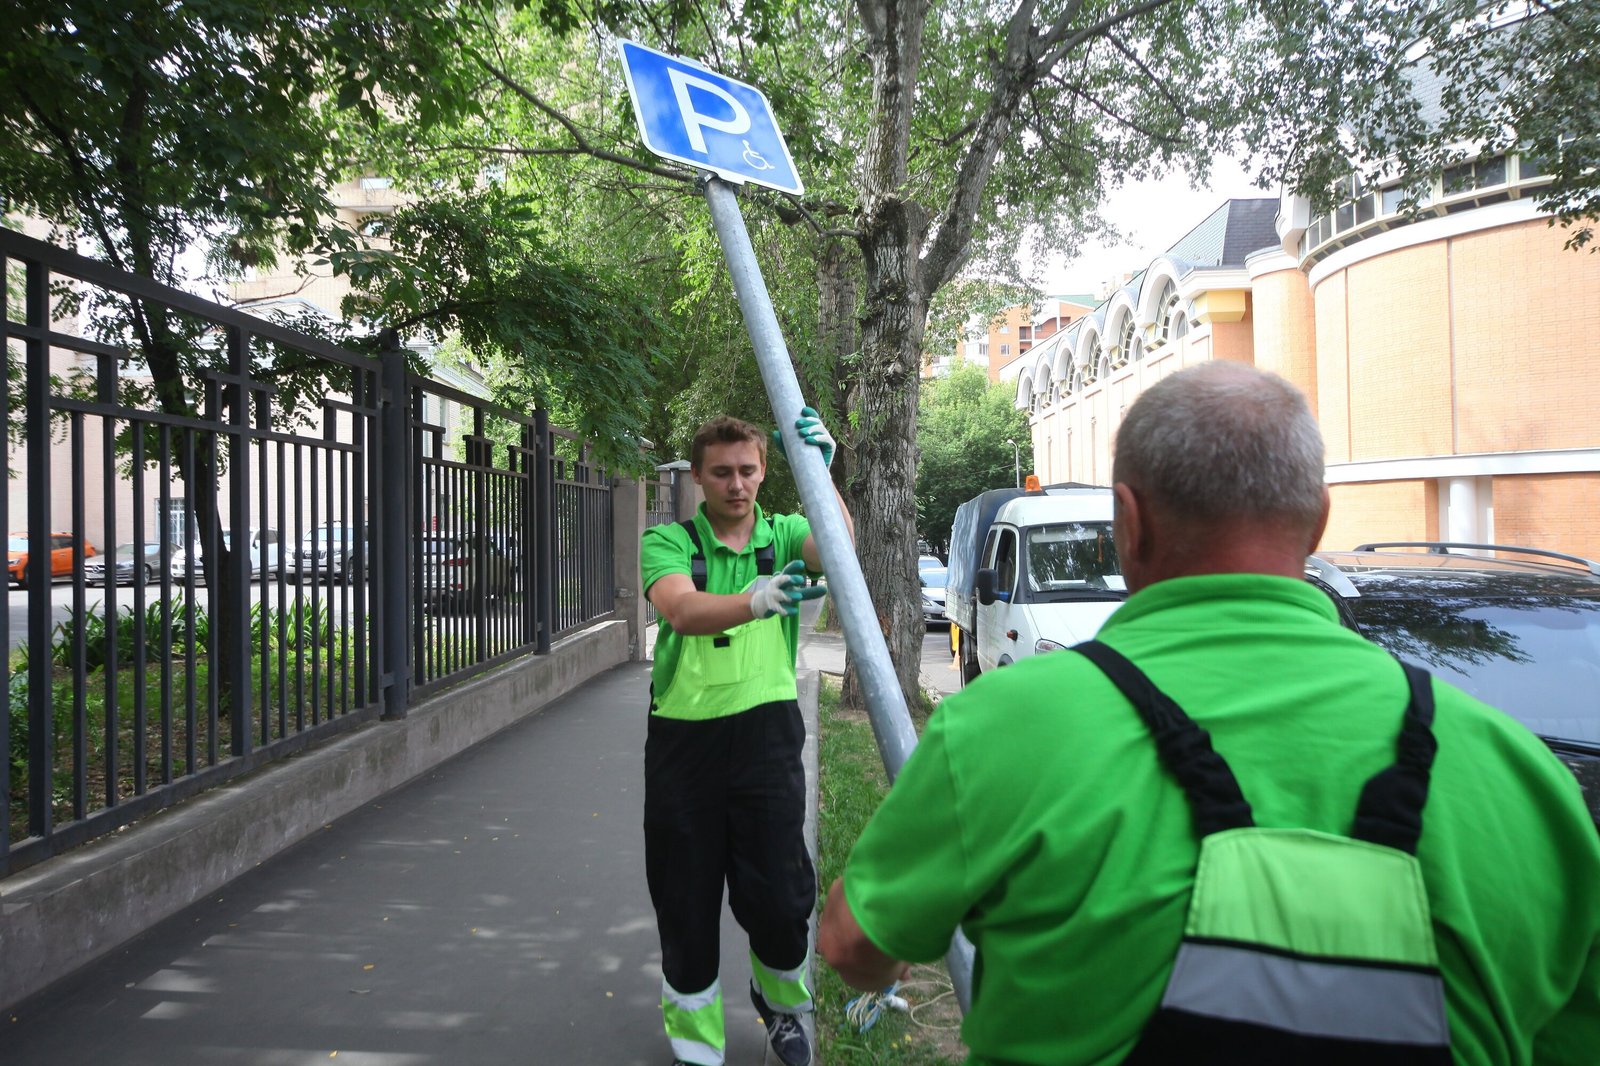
1224 441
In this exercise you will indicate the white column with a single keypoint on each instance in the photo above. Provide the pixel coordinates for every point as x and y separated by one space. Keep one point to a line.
1461 510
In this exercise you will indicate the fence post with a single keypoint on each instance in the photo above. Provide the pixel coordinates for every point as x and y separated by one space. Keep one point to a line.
627 526
397 537
544 525
686 495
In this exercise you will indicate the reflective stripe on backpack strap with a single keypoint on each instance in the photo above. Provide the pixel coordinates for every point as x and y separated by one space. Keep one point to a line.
1390 810
1215 799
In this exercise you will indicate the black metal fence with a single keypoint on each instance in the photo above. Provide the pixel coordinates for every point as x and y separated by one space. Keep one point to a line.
234 539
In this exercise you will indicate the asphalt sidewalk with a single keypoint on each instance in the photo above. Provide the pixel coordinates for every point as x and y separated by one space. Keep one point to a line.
491 911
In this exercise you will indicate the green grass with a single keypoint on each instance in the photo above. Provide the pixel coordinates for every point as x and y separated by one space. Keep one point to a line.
851 784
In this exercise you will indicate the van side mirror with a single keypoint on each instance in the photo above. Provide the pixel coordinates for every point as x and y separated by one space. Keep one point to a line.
985 581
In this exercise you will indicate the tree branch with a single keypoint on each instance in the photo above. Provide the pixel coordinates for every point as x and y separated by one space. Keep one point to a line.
1084 94
1057 44
1173 99
582 142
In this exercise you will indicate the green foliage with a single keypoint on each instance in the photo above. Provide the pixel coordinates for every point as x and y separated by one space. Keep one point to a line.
553 333
963 423
99 635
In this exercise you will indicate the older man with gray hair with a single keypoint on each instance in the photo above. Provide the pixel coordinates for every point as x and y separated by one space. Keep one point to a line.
1434 854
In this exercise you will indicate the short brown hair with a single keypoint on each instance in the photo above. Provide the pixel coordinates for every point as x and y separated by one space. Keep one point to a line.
725 429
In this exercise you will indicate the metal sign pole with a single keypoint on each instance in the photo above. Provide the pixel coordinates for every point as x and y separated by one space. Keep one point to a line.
886 705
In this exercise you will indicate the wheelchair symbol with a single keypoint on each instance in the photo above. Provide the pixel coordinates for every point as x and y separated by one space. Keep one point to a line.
755 158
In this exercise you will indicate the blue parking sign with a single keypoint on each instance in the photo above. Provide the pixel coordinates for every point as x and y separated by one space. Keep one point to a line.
693 115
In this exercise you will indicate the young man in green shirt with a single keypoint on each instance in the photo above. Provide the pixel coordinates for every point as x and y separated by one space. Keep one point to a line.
1036 814
724 782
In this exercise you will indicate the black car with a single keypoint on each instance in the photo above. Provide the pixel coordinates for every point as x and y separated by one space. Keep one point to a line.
1518 629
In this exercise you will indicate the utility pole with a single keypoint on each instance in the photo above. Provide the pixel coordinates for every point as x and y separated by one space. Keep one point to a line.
1016 460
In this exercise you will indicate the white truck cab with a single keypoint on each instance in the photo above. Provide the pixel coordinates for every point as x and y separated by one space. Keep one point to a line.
1037 572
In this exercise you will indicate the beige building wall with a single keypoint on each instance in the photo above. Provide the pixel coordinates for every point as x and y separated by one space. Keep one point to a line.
1285 341
1380 511
1557 511
1524 315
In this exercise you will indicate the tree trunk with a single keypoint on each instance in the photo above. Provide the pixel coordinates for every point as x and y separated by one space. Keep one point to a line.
883 396
839 336
161 348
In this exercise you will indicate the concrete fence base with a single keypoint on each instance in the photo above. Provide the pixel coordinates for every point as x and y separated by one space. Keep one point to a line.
69 910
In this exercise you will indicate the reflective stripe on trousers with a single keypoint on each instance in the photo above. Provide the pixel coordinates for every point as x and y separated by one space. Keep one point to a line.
694 1023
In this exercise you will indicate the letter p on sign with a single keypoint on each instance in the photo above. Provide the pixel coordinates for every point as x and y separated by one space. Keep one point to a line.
697 117
693 120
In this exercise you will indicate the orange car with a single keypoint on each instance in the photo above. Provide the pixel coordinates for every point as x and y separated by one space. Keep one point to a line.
65 550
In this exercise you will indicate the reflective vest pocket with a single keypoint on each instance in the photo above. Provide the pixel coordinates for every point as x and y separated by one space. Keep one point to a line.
727 672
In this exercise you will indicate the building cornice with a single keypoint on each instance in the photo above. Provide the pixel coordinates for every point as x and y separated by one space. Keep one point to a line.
1426 231
1482 464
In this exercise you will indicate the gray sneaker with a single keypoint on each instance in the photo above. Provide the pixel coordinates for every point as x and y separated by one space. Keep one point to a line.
784 1031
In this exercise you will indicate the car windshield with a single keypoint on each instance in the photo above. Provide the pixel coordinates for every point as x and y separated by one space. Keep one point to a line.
1536 658
127 551
934 579
1072 556
16 544
322 536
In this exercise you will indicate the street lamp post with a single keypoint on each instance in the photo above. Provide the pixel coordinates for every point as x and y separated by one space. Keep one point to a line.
1016 460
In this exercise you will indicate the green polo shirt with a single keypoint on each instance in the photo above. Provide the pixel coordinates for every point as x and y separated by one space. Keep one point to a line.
667 549
1034 812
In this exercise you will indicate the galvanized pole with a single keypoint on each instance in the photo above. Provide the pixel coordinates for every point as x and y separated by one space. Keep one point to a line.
886 704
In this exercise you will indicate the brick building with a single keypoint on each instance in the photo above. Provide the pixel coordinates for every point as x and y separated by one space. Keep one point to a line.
1447 355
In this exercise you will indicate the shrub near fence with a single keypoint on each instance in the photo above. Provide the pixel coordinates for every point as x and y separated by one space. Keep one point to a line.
413 550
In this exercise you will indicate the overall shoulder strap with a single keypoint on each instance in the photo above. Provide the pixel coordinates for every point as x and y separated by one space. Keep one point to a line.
766 554
1215 799
1390 809
697 562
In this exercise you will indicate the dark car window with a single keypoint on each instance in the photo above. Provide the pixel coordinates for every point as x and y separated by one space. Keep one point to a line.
1536 658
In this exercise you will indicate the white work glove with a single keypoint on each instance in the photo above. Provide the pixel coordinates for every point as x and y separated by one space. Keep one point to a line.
812 431
782 592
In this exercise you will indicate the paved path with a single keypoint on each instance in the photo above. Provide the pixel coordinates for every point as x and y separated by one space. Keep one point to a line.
493 911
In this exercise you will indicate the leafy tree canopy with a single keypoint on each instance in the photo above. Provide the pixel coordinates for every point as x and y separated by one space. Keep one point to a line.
963 423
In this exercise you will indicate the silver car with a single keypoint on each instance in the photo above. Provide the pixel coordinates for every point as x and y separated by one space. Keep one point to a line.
456 576
933 581
130 562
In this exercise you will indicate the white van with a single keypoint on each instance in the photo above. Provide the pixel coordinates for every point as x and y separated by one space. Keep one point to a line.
1041 573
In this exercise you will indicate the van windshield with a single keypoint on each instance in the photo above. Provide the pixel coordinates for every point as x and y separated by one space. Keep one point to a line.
1067 559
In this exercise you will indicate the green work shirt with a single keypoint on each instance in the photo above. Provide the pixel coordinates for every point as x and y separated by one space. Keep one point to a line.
767 674
1034 812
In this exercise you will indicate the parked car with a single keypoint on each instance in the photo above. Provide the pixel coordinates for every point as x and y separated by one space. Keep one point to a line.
1522 634
456 577
264 548
933 580
130 563
64 550
328 553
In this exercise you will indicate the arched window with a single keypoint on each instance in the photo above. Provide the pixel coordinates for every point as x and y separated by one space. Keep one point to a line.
1174 319
1122 354
1138 349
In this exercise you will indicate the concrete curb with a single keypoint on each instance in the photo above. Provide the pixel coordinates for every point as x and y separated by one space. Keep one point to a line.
70 910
